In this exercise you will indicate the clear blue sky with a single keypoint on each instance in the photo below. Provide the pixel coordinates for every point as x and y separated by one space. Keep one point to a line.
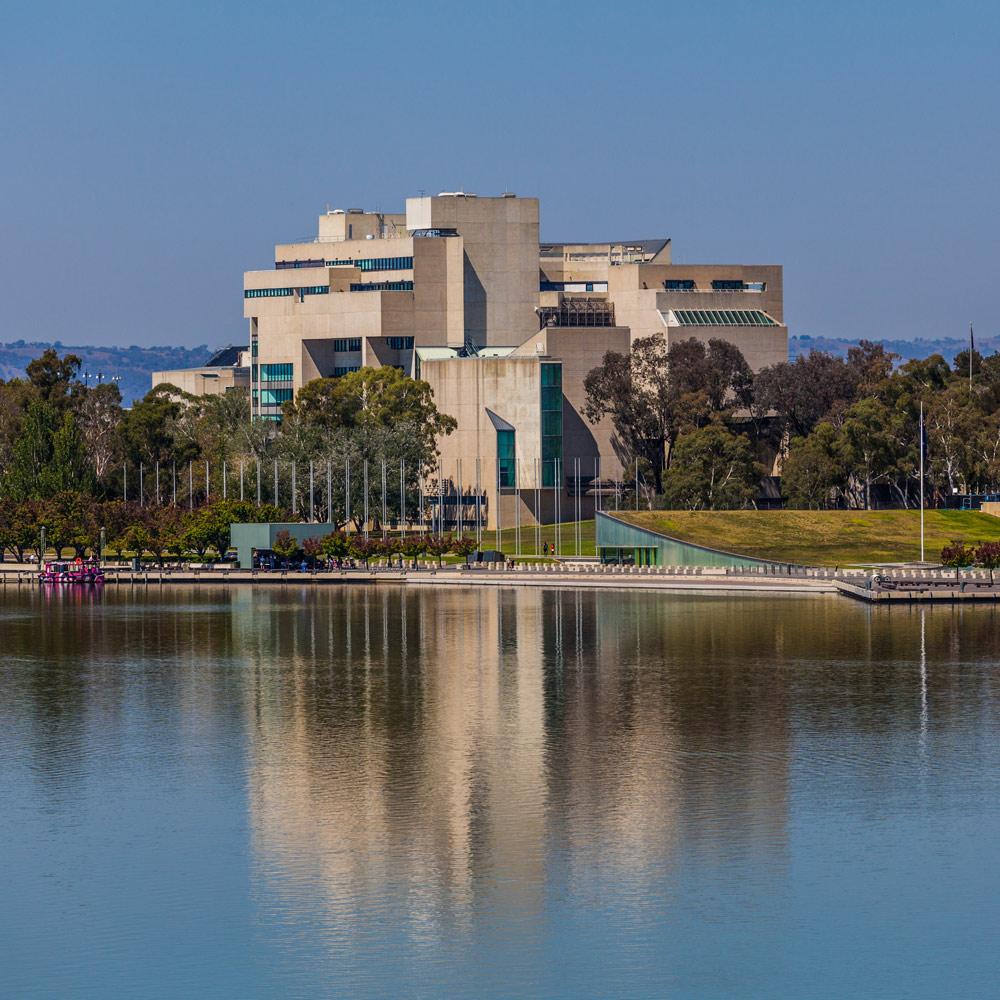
151 153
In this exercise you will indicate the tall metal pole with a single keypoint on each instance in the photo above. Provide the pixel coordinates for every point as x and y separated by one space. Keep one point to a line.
225 485
190 484
173 481
497 515
385 508
440 500
402 497
479 506
140 485
921 480
556 479
125 481
347 492
329 492
365 473
241 480
538 511
517 506
637 484
207 488
275 482
295 499
312 494
259 496
157 482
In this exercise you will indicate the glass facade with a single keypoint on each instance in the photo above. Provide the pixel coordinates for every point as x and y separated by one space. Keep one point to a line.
400 343
282 293
376 263
679 285
381 286
347 344
272 397
345 370
506 458
552 422
276 373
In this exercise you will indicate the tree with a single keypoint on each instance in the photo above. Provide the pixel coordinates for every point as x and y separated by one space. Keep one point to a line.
988 556
375 397
712 469
633 390
99 415
869 446
814 468
958 555
311 549
285 546
463 546
336 545
32 452
54 377
68 468
413 547
803 392
149 429
438 545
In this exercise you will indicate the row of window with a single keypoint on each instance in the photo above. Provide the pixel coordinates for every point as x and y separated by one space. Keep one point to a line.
345 369
272 397
375 263
281 293
347 344
382 286
289 265
276 373
400 343
718 285
552 425
572 286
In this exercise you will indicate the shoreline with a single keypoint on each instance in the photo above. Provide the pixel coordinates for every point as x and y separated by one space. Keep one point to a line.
854 584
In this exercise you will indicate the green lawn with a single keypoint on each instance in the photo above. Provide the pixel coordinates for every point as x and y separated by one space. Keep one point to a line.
823 538
567 531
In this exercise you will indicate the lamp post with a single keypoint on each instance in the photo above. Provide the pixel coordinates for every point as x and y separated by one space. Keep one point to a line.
103 545
43 546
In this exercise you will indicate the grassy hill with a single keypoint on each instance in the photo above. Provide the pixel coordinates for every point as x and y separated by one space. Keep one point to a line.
823 538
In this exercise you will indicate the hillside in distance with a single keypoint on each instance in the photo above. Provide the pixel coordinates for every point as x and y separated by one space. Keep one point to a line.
133 365
908 350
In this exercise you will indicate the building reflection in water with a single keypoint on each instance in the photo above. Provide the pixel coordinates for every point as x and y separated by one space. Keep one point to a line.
443 744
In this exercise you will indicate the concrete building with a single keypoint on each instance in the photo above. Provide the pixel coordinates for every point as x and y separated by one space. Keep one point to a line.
226 370
457 290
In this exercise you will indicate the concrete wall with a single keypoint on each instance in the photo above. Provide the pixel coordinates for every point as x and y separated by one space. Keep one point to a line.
204 381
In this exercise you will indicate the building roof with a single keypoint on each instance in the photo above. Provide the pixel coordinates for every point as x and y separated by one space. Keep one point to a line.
652 247
226 357
717 317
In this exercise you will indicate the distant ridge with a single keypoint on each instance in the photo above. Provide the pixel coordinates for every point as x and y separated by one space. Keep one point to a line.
134 364
948 347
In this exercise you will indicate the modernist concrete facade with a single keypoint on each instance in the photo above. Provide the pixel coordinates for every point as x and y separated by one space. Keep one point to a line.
458 290
226 370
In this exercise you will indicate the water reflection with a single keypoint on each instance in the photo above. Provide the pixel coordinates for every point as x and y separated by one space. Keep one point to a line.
450 784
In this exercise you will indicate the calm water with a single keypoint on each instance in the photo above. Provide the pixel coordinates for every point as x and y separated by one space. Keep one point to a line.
388 793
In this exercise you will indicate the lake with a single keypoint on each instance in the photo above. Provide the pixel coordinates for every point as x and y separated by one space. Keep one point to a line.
389 792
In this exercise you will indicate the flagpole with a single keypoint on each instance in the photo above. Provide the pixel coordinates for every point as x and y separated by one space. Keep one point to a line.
922 481
972 348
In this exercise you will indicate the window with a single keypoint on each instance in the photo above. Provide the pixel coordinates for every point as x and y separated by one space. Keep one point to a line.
347 344
272 397
506 461
679 285
345 369
400 343
727 285
552 427
281 293
287 265
375 263
276 373
382 286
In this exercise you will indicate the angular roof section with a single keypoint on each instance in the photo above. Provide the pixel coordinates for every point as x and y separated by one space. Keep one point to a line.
652 247
225 357
717 317
498 422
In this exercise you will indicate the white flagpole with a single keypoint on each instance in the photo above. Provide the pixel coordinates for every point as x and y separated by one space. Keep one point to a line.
921 481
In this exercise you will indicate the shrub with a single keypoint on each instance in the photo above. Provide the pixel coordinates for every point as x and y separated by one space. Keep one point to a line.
958 554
